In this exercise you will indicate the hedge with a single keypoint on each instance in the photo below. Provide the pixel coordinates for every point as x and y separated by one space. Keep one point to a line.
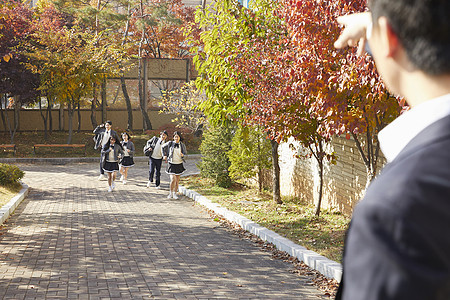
10 174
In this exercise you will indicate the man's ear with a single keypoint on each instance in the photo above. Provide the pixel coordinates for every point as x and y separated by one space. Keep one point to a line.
389 38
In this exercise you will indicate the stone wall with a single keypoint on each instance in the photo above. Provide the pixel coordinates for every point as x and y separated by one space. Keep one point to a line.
344 183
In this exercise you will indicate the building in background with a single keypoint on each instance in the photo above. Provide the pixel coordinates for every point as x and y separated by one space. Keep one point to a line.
244 2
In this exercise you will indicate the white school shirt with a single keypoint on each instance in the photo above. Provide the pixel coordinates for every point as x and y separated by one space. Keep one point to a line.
125 150
157 152
111 155
394 137
176 158
106 137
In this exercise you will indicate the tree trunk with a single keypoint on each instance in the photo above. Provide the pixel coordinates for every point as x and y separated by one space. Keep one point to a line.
16 117
61 117
128 102
319 201
44 118
49 114
4 111
147 123
141 69
8 122
275 173
79 117
260 180
103 96
70 109
259 166
368 159
94 106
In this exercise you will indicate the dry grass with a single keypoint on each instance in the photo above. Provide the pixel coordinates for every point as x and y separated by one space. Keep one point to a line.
8 192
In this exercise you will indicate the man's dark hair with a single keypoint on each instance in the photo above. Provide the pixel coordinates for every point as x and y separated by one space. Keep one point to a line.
423 28
109 122
165 132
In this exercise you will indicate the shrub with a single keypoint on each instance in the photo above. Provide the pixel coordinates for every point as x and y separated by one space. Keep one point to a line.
250 155
10 174
214 148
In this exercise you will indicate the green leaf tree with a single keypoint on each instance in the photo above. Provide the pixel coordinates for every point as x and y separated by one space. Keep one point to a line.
250 154
215 163
226 30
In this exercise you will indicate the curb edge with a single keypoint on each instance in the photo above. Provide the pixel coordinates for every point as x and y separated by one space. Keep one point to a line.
325 266
7 209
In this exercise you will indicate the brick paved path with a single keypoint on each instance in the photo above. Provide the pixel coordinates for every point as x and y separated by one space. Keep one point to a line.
71 239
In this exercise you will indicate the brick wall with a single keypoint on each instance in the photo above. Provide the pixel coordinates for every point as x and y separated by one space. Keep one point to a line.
344 183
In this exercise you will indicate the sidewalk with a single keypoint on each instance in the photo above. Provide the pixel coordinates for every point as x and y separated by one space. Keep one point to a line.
71 239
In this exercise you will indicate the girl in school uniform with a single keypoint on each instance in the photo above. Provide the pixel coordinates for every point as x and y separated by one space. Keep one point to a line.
112 152
127 159
174 152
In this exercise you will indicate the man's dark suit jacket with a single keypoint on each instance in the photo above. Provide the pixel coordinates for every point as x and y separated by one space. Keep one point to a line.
398 243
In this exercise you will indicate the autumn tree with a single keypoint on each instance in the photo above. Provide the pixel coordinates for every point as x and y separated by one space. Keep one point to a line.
158 32
223 31
299 85
68 61
342 88
3 17
17 83
263 67
108 21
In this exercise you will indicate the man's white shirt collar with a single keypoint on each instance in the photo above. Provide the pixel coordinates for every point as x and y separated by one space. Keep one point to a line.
394 137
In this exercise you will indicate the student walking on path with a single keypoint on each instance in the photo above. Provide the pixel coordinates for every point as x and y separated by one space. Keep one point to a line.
102 134
153 149
112 151
174 152
127 160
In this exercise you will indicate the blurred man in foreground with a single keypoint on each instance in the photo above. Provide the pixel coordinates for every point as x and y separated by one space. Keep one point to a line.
398 244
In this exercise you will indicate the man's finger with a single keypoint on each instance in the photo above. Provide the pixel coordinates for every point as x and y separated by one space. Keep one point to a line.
361 46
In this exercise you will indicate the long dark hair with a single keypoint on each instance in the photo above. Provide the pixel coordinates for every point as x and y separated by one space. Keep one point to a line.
179 134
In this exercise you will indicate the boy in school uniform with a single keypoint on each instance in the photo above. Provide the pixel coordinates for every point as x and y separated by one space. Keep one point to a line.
153 149
103 132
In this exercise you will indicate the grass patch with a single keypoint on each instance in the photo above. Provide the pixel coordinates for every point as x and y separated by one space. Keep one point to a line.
293 219
8 192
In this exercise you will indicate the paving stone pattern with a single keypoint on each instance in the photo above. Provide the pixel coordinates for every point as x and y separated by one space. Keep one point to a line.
71 239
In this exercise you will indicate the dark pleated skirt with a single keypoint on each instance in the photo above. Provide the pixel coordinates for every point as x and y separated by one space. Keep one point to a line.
175 169
127 161
110 167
